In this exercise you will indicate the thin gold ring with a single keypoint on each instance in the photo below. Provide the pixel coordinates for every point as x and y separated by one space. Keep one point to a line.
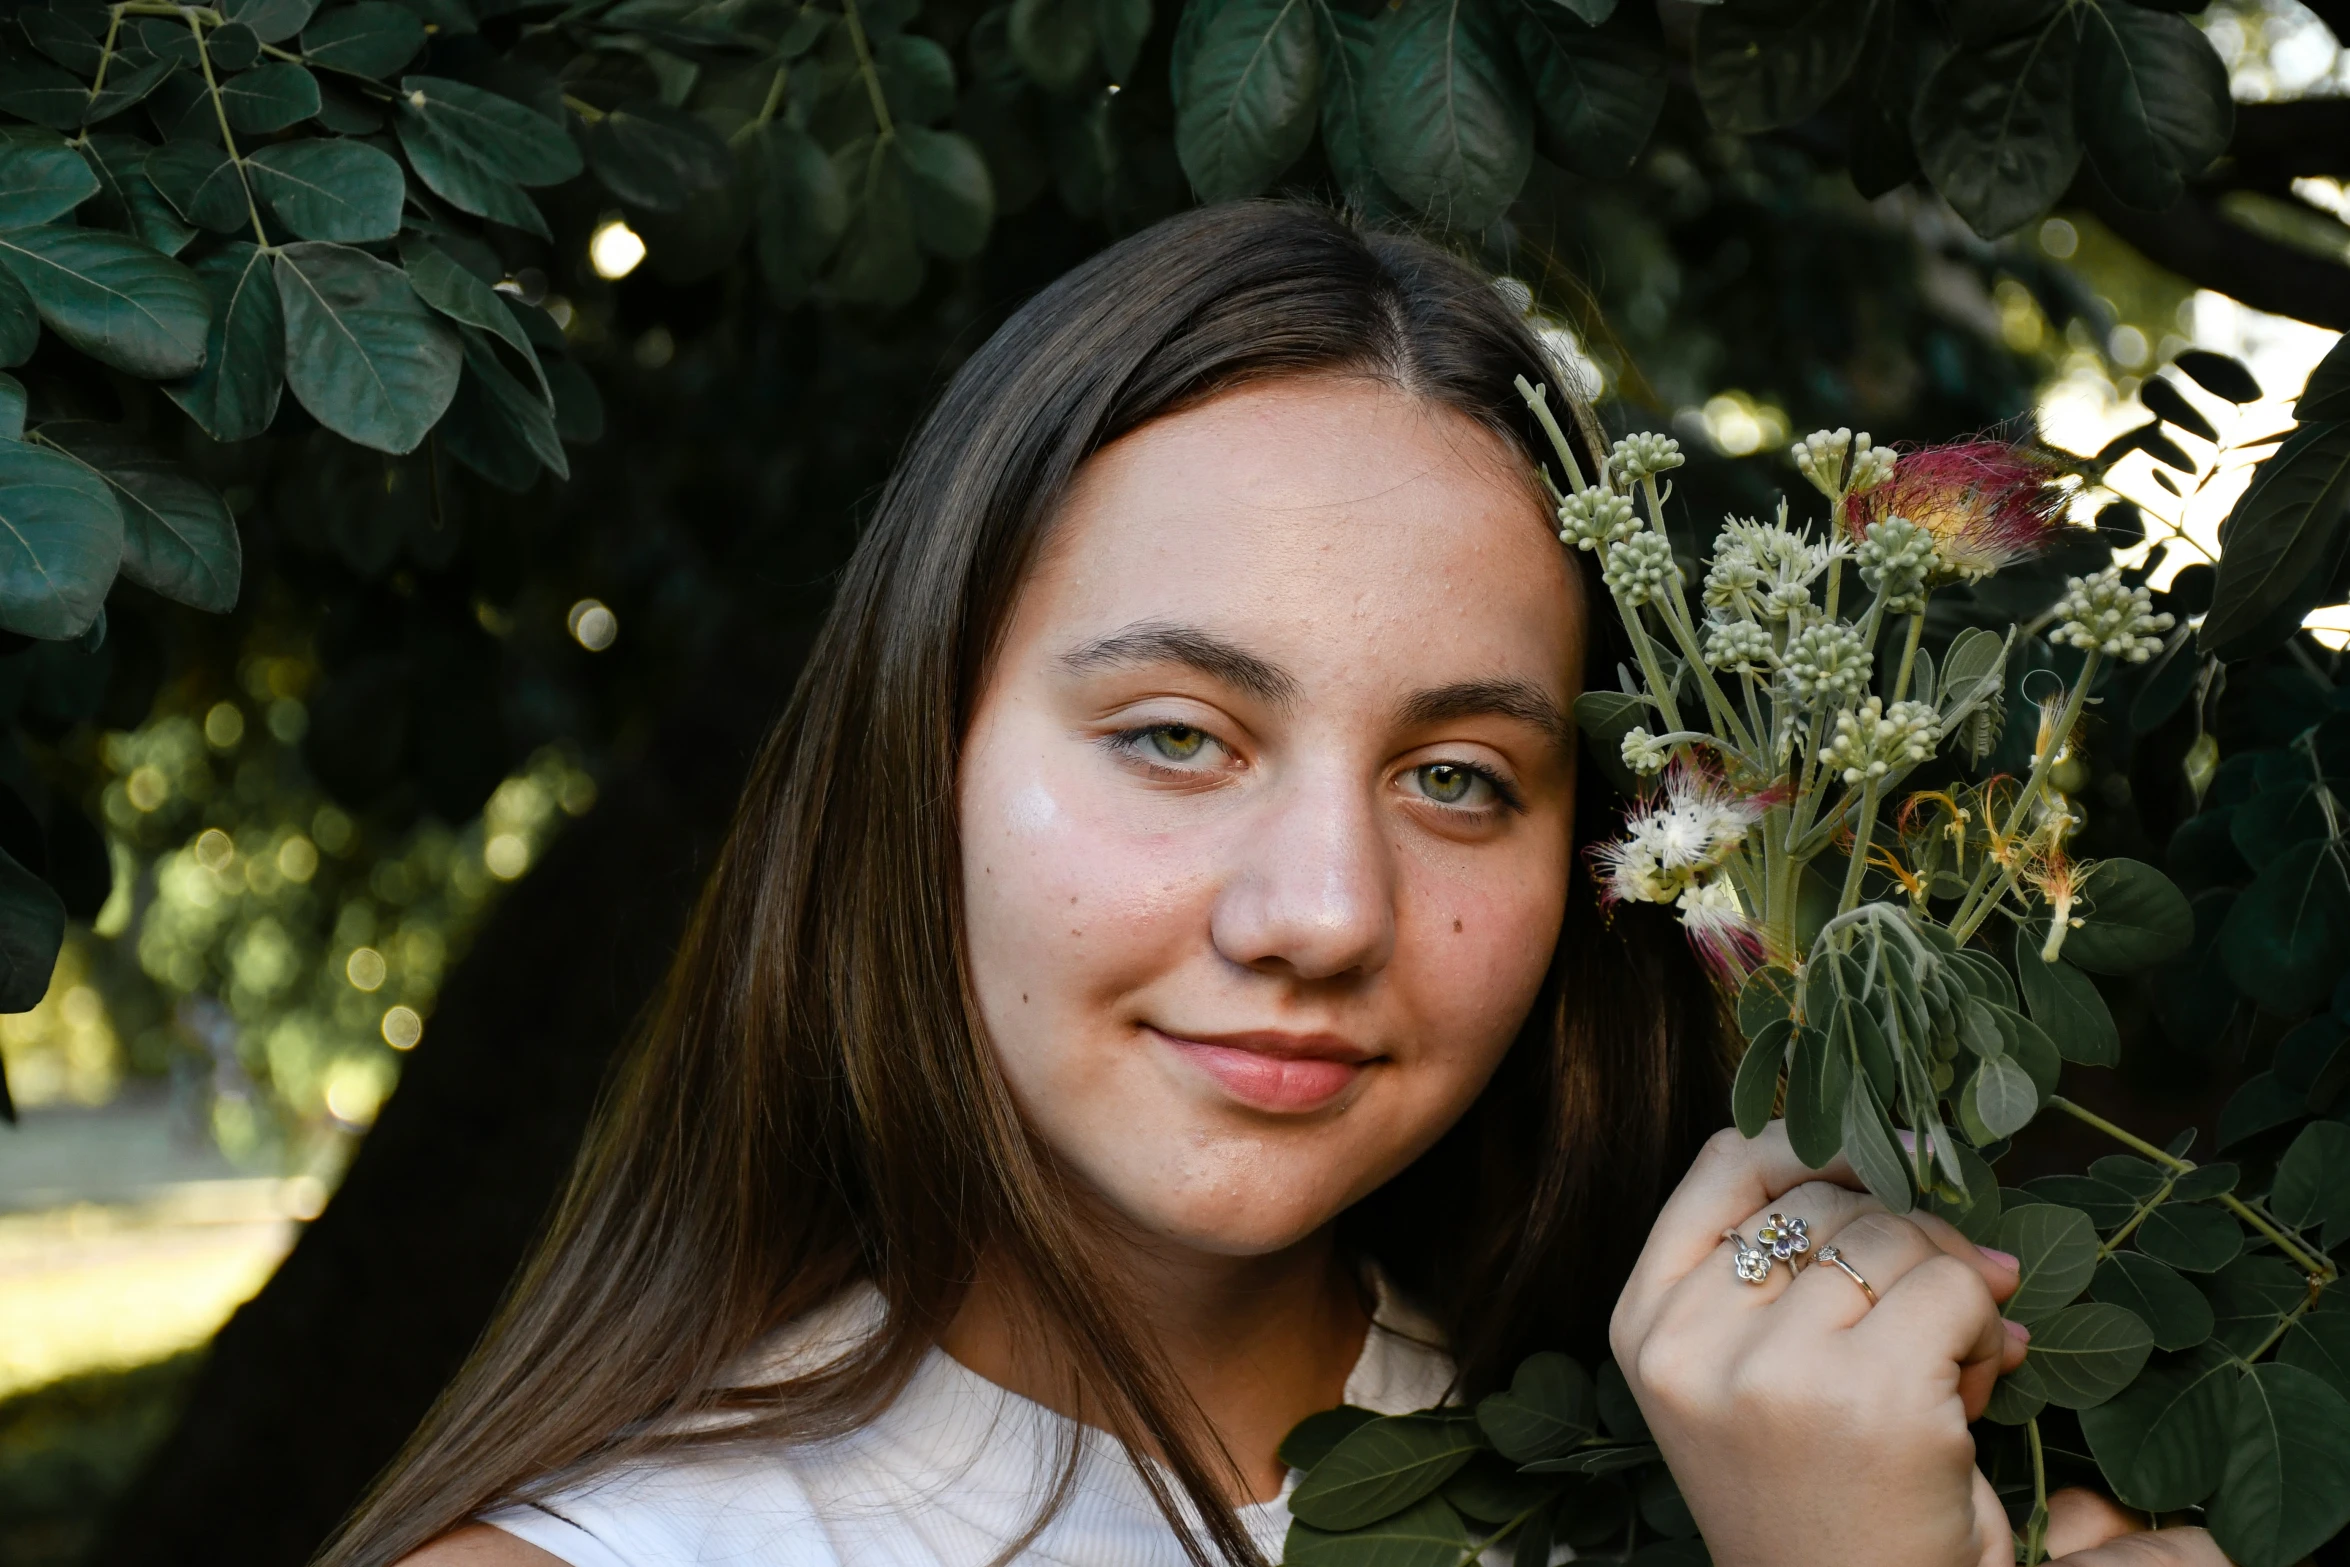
1834 1257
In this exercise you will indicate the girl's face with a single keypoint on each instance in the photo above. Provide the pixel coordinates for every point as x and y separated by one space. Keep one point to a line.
1266 804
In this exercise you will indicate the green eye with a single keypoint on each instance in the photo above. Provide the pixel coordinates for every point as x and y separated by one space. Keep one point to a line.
1176 742
1447 783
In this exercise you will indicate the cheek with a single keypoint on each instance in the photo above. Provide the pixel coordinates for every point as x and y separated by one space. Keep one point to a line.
1474 950
1068 909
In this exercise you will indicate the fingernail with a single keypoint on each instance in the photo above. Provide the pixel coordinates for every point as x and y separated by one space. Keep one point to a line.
2016 1330
1909 1139
2005 1259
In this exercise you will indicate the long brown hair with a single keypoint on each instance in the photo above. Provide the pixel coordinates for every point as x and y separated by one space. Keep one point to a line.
812 1104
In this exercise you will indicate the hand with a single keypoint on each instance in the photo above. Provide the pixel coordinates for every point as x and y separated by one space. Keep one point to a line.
2086 1530
1803 1424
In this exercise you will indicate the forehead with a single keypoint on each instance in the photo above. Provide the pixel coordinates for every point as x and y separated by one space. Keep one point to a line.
1320 520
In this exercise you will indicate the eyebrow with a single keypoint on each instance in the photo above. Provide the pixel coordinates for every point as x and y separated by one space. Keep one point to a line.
1158 642
1505 698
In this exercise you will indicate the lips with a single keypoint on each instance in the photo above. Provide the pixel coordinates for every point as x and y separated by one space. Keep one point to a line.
1289 1073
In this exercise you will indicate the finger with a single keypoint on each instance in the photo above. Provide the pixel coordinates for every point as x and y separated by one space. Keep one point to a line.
1991 1528
1824 1209
1731 1178
2079 1519
2001 1270
1939 1306
1880 1248
2155 1548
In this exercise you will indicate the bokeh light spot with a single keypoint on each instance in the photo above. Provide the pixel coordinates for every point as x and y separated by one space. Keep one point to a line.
224 726
402 1028
148 788
614 249
507 855
214 849
593 625
297 859
365 968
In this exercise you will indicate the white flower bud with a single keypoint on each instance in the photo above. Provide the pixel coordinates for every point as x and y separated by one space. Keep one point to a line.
2104 614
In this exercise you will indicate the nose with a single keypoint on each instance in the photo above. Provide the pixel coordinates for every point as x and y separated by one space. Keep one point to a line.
1311 894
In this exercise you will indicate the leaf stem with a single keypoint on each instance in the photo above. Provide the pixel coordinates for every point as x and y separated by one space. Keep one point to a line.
2315 1265
1974 909
775 88
227 139
2036 1532
865 69
105 56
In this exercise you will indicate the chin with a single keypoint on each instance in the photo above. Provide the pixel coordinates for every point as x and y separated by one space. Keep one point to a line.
1225 1229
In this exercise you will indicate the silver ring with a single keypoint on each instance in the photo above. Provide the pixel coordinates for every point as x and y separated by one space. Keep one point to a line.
1835 1259
1785 1239
1750 1264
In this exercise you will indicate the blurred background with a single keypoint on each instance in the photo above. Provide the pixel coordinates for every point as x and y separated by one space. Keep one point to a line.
385 861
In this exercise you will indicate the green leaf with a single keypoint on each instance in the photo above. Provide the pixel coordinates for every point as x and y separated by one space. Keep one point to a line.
465 181
1994 128
1977 1216
877 262
234 395
1597 96
510 139
2320 1343
1619 1412
2283 532
2175 1311
1491 1490
270 98
2312 1186
234 46
42 93
1251 96
2154 103
178 539
2287 1486
1122 26
2003 1097
32 929
20 323
1756 1089
272 21
2088 1353
2065 1003
1766 64
1550 1407
1454 129
2019 1396
528 413
2107 1205
127 199
331 189
2028 1047
2287 938
112 298
800 209
1767 997
2163 1441
1053 40
124 88
947 190
1819 1081
1311 1439
2249 1298
12 407
2280 819
2136 917
60 544
2057 1250
1985 977
1347 41
63 38
2190 1237
656 157
201 183
1869 1146
462 297
39 182
363 353
1382 1468
1429 1535
373 38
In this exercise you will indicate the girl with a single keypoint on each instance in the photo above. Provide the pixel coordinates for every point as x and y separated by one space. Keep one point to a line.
1149 996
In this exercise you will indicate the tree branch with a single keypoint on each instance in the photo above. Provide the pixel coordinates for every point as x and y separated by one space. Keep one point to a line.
2195 241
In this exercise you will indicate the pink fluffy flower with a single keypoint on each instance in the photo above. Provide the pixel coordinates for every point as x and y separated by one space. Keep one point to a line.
1987 504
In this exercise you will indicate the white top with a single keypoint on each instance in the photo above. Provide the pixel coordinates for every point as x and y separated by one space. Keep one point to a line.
946 1476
